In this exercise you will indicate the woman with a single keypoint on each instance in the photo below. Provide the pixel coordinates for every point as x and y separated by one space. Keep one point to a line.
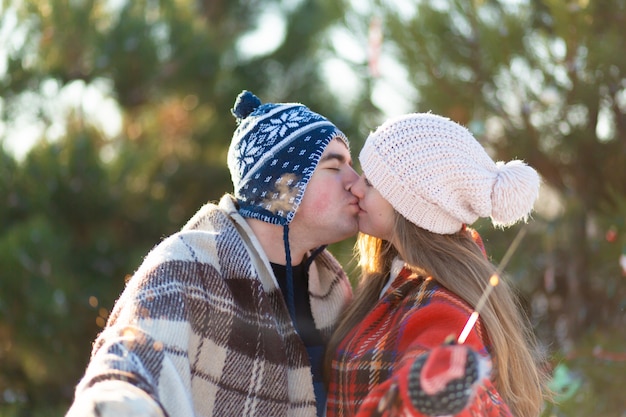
423 272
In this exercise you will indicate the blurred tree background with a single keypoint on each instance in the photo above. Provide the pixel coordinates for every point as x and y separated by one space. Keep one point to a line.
130 104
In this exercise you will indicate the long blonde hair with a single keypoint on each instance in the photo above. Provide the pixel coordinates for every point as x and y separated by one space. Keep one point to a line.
457 263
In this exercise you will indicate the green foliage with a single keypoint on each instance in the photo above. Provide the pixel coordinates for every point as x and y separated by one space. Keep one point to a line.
589 376
541 80
65 246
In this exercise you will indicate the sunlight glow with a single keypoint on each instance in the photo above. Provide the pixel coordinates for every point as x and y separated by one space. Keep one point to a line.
92 103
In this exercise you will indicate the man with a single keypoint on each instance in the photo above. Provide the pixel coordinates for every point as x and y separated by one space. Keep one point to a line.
229 316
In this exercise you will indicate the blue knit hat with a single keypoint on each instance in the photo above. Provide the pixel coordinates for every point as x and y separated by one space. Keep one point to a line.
273 154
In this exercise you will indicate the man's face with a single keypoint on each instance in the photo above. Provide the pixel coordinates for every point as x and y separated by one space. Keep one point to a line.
328 212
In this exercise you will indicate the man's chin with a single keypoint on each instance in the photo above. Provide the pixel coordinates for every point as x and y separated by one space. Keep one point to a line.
349 233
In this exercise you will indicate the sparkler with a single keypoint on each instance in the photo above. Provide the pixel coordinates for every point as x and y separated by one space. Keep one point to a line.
493 281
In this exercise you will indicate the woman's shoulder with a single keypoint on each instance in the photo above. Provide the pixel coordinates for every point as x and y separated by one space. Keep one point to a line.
428 292
438 295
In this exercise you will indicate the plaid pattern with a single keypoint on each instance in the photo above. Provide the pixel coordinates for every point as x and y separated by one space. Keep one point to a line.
371 365
204 331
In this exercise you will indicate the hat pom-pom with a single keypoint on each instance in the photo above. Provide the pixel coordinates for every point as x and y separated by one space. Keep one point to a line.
245 104
514 193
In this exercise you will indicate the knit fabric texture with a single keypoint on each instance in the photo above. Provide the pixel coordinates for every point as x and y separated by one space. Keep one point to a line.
202 330
437 175
370 371
273 154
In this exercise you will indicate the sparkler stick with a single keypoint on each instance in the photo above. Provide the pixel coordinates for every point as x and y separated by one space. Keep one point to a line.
493 281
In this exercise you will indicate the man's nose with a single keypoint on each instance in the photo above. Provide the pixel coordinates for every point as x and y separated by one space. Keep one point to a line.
352 177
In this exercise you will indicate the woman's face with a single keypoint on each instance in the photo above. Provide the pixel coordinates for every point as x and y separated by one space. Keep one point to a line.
376 215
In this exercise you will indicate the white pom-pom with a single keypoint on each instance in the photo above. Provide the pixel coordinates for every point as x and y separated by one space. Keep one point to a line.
514 193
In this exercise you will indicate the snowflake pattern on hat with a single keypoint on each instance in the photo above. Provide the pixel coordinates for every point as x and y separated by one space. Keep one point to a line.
267 137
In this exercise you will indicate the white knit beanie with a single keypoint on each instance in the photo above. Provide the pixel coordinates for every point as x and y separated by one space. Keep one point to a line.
438 176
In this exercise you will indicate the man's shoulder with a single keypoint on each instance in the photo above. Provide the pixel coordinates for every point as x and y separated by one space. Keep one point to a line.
199 239
326 260
212 216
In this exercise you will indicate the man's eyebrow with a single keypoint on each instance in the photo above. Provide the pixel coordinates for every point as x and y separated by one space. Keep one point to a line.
337 156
